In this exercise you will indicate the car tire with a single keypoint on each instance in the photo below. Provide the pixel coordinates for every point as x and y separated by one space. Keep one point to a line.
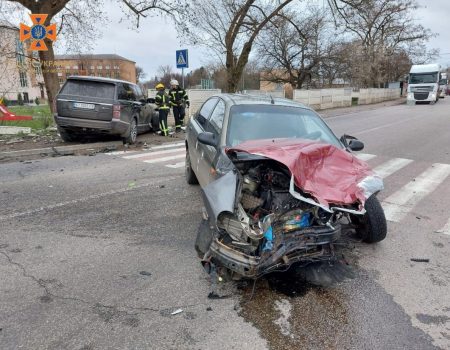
191 178
67 136
132 133
372 227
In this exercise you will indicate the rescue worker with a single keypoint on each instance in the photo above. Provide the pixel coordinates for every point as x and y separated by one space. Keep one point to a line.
162 100
178 100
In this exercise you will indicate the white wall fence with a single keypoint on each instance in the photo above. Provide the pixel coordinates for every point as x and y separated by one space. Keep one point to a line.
316 99
333 98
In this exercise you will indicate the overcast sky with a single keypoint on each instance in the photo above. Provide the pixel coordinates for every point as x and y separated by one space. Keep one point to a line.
155 42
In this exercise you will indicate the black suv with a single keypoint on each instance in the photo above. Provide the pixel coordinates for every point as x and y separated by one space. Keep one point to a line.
91 105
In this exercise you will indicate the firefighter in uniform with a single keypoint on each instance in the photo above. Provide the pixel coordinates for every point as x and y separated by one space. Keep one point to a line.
178 100
162 100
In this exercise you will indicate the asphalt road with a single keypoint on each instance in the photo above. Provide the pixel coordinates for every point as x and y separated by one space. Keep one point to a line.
97 253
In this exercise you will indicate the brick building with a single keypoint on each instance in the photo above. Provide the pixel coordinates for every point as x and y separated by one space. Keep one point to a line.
20 68
100 65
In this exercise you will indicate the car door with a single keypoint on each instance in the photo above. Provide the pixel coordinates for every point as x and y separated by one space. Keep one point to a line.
195 148
143 109
214 125
125 97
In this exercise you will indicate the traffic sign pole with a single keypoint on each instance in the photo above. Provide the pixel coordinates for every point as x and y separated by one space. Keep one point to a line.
182 76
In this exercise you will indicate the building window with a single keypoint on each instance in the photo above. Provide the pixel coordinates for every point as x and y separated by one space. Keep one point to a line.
116 67
75 67
99 67
117 75
60 80
20 55
67 67
59 74
23 79
108 74
107 67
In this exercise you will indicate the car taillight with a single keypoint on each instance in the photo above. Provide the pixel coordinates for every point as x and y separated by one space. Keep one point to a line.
116 111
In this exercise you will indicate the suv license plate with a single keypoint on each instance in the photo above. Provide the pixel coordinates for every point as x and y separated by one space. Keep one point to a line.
84 105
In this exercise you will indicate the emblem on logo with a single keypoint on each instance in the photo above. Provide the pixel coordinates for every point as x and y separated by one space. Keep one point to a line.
38 32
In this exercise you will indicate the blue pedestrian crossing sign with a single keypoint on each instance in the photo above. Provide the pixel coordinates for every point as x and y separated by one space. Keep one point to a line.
182 58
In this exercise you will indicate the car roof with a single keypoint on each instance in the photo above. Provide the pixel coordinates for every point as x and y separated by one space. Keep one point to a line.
248 99
105 80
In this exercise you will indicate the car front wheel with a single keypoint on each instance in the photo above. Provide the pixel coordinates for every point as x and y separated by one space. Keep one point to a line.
191 179
372 226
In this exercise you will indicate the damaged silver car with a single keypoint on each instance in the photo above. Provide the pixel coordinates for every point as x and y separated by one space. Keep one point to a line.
278 186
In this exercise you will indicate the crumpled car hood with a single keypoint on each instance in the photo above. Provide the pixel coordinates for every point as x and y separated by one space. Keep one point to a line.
327 173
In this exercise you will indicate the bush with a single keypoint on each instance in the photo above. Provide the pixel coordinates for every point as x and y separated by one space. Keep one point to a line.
20 99
4 101
36 100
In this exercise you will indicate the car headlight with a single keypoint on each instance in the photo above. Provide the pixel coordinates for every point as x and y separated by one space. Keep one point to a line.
433 95
410 96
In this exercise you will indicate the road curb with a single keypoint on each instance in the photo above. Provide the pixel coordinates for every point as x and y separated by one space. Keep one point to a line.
62 150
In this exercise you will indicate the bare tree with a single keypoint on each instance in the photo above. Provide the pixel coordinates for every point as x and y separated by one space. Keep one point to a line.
229 28
140 74
383 28
294 47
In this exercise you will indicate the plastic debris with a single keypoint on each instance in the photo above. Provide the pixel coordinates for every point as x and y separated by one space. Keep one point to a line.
420 260
177 311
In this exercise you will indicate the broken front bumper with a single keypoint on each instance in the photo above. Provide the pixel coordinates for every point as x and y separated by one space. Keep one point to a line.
306 245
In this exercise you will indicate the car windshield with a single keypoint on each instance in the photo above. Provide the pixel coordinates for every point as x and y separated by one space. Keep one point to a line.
256 122
86 88
423 78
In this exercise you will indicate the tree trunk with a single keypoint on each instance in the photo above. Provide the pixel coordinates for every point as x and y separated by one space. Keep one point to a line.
49 72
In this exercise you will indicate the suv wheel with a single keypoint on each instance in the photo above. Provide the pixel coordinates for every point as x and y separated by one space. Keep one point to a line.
132 133
372 226
191 179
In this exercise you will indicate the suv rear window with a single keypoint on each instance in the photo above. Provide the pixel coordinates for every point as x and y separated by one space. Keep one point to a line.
85 88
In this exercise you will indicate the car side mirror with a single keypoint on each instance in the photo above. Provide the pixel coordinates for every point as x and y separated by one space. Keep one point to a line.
151 100
208 138
352 143
356 145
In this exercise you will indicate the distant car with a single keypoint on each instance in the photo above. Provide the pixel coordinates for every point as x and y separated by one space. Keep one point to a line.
277 185
92 105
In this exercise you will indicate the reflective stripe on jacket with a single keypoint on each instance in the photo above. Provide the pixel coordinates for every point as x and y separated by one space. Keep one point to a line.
178 96
162 100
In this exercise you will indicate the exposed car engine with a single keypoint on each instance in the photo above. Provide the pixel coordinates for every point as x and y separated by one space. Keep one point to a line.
267 212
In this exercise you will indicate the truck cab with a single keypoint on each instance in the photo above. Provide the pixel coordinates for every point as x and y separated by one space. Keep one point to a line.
423 83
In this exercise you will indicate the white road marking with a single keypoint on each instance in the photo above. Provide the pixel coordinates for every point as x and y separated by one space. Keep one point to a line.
147 154
446 229
365 156
152 184
164 159
118 153
176 165
397 205
391 166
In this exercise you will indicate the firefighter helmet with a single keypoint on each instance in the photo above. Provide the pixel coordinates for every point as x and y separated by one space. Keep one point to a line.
159 86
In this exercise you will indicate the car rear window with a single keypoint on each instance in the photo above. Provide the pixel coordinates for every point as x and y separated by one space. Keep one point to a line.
96 89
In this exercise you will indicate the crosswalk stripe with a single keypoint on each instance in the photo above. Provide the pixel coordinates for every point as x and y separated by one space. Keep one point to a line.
446 229
397 205
169 145
391 166
365 156
157 153
176 165
118 153
164 159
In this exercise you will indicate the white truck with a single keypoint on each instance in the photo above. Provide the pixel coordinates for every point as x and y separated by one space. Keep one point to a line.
443 85
423 83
